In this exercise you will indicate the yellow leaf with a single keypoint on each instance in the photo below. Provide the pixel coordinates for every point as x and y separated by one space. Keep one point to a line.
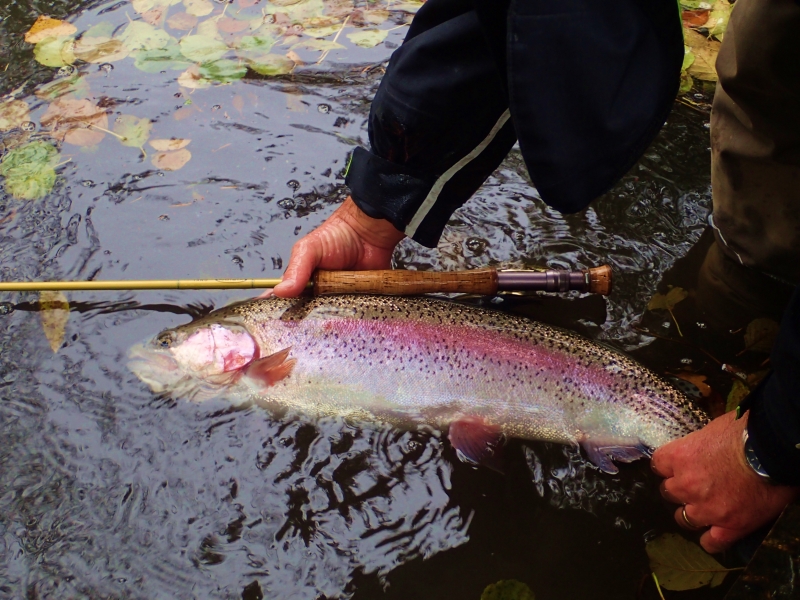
45 27
668 301
681 565
738 392
168 145
171 161
54 313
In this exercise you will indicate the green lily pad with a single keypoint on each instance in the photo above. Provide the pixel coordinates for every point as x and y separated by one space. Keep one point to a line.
55 52
139 35
29 170
134 131
223 71
271 64
368 38
202 48
162 59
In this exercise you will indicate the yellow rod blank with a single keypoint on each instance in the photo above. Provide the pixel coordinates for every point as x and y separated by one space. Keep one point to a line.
141 284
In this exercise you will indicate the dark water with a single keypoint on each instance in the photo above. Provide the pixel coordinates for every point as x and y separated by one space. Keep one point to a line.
107 491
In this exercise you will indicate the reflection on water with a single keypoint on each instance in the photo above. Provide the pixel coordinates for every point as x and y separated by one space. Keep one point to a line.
109 491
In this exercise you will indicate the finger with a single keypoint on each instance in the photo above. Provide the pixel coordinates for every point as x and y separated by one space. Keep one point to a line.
268 293
684 517
718 539
661 463
304 259
669 494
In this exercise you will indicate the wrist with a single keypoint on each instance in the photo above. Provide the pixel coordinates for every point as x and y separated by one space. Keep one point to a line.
377 232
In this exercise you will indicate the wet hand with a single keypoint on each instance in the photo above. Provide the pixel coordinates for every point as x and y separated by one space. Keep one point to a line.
707 473
349 239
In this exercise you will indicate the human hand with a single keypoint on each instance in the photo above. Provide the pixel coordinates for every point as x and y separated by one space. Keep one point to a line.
706 472
349 239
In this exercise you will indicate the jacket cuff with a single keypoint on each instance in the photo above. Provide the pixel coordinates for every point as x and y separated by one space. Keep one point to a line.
387 190
773 436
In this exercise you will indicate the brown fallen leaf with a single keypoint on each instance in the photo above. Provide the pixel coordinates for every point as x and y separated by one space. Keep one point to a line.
54 314
171 161
698 380
695 18
154 15
760 335
184 112
45 27
705 55
13 114
74 121
230 25
182 21
169 145
99 50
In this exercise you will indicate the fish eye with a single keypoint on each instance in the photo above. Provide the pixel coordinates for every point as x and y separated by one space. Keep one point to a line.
165 339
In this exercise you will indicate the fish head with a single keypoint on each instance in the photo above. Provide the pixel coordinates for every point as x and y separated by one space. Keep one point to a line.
196 360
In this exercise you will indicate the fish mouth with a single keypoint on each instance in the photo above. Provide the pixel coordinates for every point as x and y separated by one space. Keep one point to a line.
157 369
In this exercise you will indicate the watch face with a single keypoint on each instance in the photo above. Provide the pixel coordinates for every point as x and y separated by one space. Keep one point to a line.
752 459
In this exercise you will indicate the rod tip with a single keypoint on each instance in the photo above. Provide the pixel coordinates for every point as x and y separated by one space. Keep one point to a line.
600 280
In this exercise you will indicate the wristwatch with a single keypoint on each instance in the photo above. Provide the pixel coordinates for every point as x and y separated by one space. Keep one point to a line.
752 460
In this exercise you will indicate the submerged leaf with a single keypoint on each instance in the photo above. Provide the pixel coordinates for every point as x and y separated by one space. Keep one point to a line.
223 71
154 61
13 114
760 335
368 38
134 131
29 170
54 313
202 48
668 301
507 589
271 64
99 49
171 161
681 565
167 145
77 122
45 27
55 52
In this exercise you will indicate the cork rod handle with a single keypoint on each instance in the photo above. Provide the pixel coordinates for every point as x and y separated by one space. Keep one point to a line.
405 283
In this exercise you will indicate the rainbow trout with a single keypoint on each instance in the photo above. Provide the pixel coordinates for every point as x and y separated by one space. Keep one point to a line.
411 361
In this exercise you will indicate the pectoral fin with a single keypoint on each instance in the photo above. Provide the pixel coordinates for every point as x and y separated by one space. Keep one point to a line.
601 452
477 442
273 368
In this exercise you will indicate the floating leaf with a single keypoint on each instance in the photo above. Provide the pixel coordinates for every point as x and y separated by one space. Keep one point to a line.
209 28
153 61
376 17
142 6
252 46
368 38
322 32
198 8
271 64
231 25
54 313
297 11
133 130
102 29
322 45
29 170
681 565
154 15
668 301
760 335
45 27
171 161
13 114
223 71
55 52
139 35
508 589
75 121
182 21
168 145
202 48
192 79
100 49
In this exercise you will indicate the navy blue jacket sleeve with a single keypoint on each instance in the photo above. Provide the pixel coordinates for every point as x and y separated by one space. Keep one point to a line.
584 85
774 421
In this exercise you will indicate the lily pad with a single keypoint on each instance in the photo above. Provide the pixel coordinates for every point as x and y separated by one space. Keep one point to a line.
202 48
13 114
368 38
45 27
139 35
29 170
100 49
133 130
271 64
223 71
55 52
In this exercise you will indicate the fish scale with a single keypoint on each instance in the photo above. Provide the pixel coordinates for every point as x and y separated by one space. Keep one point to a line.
412 361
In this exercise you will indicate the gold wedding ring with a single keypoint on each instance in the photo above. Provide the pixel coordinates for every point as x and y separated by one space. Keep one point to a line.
686 520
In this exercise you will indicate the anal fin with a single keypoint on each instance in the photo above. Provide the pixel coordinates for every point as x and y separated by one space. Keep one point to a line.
273 368
477 442
602 452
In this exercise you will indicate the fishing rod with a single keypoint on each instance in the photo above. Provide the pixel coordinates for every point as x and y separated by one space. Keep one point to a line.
394 282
